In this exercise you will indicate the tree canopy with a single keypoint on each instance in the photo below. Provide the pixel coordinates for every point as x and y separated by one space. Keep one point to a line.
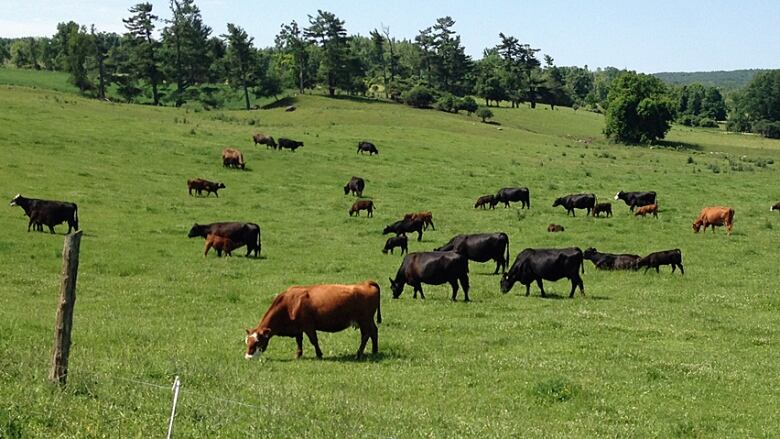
639 109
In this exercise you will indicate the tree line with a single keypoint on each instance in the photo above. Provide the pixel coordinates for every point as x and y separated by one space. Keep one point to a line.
180 59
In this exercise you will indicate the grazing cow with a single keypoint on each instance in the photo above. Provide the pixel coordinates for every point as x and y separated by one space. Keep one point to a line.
647 210
715 216
775 207
48 213
240 233
432 268
636 199
368 147
666 257
609 261
486 199
330 308
233 158
555 228
481 247
396 241
220 243
425 216
200 185
359 205
576 201
507 194
355 185
602 207
262 139
404 227
545 264
289 144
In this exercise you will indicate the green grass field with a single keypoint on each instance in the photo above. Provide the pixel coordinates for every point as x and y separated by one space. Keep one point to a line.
660 355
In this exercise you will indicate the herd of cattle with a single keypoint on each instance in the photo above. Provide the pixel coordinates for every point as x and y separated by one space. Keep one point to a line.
307 309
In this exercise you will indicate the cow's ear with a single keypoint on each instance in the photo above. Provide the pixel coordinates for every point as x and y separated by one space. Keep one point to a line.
247 331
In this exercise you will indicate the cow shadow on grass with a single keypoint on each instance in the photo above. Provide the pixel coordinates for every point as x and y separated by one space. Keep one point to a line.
367 357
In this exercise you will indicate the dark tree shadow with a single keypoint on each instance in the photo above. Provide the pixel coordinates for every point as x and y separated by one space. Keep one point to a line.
491 122
281 103
360 99
683 146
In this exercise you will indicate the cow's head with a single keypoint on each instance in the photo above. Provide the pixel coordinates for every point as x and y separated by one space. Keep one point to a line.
507 282
589 253
346 189
558 202
256 342
697 225
220 185
15 199
196 230
388 229
397 288
619 195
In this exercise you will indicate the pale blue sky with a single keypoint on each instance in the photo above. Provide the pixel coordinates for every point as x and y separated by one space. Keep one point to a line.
647 36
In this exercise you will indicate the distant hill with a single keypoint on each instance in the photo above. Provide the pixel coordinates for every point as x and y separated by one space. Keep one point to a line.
730 80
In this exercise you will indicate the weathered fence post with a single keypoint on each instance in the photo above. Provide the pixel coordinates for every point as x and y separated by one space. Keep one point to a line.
70 267
176 385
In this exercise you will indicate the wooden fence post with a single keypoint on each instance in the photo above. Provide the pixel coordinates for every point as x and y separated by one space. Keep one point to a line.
70 266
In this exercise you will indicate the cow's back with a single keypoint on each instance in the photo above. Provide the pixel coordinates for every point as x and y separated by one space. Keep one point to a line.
334 307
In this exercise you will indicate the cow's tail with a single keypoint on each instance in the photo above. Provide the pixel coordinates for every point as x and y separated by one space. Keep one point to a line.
259 244
379 302
76 217
506 259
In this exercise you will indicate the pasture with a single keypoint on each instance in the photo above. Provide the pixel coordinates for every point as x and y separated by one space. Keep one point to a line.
650 354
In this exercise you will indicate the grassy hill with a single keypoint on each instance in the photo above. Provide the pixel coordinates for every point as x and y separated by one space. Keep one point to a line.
727 80
640 355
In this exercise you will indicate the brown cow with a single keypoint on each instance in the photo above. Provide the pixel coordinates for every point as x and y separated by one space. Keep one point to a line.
647 210
555 228
232 158
220 243
775 207
426 217
602 207
715 216
262 139
200 185
307 309
359 205
486 199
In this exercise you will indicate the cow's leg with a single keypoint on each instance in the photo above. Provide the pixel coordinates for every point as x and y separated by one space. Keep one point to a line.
51 229
312 334
674 266
299 342
364 334
219 252
419 235
541 286
498 264
432 227
370 212
582 286
646 268
527 289
682 271
374 338
657 268
464 282
422 295
29 223
454 285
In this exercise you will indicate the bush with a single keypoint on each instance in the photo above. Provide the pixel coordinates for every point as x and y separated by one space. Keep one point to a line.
706 122
418 96
767 128
484 113
468 104
688 120
447 102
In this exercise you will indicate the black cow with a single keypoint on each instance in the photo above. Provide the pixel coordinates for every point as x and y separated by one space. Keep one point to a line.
432 268
545 264
609 261
404 227
481 247
368 147
576 201
48 213
240 233
666 257
507 194
636 199
289 144
396 241
355 185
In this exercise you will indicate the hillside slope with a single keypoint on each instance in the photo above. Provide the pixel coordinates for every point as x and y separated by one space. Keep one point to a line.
639 355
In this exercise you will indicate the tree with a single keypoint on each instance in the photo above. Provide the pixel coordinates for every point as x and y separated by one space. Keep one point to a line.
639 110
241 59
484 114
378 55
5 52
75 46
142 62
467 104
490 78
102 45
185 42
291 40
328 31
757 107
448 65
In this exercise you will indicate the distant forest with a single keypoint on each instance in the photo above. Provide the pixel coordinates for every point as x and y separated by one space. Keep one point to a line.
725 80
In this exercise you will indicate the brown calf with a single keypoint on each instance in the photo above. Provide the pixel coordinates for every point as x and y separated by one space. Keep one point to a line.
555 228
426 217
220 243
359 205
602 207
199 185
485 199
646 210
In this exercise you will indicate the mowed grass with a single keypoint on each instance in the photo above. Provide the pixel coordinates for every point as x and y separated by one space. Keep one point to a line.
650 354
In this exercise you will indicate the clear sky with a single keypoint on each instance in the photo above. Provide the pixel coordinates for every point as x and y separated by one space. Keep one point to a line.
647 36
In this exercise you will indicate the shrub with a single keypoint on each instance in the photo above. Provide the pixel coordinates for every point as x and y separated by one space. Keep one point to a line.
468 104
484 114
688 120
691 160
446 102
418 96
706 122
767 128
556 389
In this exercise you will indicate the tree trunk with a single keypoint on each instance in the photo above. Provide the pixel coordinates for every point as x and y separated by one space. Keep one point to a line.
300 73
246 95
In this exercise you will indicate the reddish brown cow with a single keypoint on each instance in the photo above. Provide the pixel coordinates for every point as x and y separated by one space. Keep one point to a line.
485 200
715 216
775 207
233 158
307 309
359 205
646 210
426 217
555 228
199 185
221 244
262 139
